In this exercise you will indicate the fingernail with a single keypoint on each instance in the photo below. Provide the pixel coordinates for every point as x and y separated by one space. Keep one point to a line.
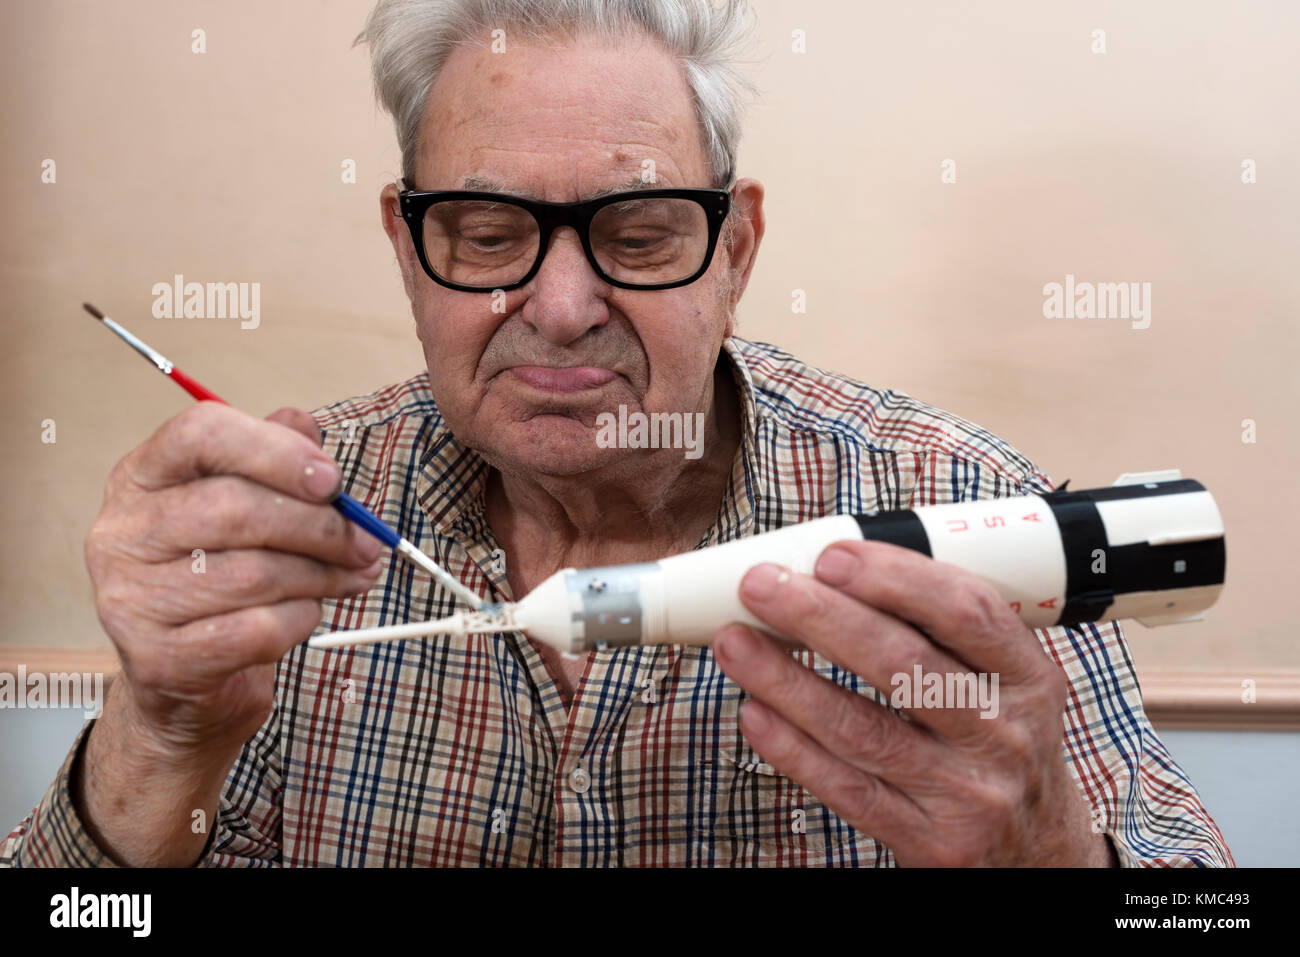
734 642
321 478
836 566
764 580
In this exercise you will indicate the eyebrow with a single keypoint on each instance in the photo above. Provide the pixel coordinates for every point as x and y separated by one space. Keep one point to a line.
473 182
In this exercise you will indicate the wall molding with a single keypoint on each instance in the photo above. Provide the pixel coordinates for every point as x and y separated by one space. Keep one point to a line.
1173 699
49 658
1213 699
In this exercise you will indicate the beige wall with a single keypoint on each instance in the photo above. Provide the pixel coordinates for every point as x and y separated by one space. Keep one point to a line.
1123 166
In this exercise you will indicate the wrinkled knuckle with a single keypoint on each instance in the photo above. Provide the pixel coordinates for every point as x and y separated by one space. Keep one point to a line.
98 545
1009 799
1017 743
780 677
774 682
109 597
865 736
251 631
812 612
206 417
259 624
119 478
993 799
265 626
334 534
845 724
863 800
188 429
115 608
248 576
979 607
226 504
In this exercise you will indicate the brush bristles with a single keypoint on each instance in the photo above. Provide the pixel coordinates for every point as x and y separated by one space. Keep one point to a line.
93 311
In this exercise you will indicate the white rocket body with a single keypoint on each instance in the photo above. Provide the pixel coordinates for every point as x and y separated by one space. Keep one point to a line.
1151 547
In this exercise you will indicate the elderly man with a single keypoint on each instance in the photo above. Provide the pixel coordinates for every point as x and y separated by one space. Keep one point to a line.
550 287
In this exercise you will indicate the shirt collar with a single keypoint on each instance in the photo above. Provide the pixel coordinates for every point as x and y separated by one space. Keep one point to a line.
452 482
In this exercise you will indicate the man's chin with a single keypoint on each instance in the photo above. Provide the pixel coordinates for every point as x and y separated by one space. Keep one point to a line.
552 445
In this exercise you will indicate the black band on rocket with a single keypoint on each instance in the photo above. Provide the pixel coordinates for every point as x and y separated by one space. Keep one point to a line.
1145 567
1096 571
1088 588
898 528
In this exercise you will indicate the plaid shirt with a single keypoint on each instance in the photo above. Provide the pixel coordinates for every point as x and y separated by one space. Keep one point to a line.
460 751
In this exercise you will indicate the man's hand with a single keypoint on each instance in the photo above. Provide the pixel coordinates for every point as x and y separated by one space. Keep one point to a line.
199 642
214 546
947 787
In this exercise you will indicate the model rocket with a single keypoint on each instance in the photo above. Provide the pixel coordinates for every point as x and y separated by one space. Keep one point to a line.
1150 547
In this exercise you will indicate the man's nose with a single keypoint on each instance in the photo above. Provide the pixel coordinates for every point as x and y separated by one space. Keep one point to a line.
567 300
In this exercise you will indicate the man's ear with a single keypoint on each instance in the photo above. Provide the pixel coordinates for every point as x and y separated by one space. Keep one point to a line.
746 235
390 216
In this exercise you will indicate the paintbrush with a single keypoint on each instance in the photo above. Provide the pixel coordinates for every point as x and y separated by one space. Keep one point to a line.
352 509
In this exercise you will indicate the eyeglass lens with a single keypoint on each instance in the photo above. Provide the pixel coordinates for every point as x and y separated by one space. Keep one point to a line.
638 241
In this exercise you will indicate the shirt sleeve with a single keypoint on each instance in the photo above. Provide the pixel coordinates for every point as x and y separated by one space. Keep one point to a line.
1138 795
247 831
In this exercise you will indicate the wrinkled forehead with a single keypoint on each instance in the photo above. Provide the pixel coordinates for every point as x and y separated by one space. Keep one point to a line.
561 119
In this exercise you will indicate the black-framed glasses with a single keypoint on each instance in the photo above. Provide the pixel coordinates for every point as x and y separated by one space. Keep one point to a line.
640 239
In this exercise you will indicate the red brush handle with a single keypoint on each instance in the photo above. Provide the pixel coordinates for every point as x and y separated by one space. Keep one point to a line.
193 388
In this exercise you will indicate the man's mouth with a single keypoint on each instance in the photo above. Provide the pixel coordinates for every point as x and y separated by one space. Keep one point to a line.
567 379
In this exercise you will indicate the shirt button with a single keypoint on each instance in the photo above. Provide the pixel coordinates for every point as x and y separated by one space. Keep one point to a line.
579 780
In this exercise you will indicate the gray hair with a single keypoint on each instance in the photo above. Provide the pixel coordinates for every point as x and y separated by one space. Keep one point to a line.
410 40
